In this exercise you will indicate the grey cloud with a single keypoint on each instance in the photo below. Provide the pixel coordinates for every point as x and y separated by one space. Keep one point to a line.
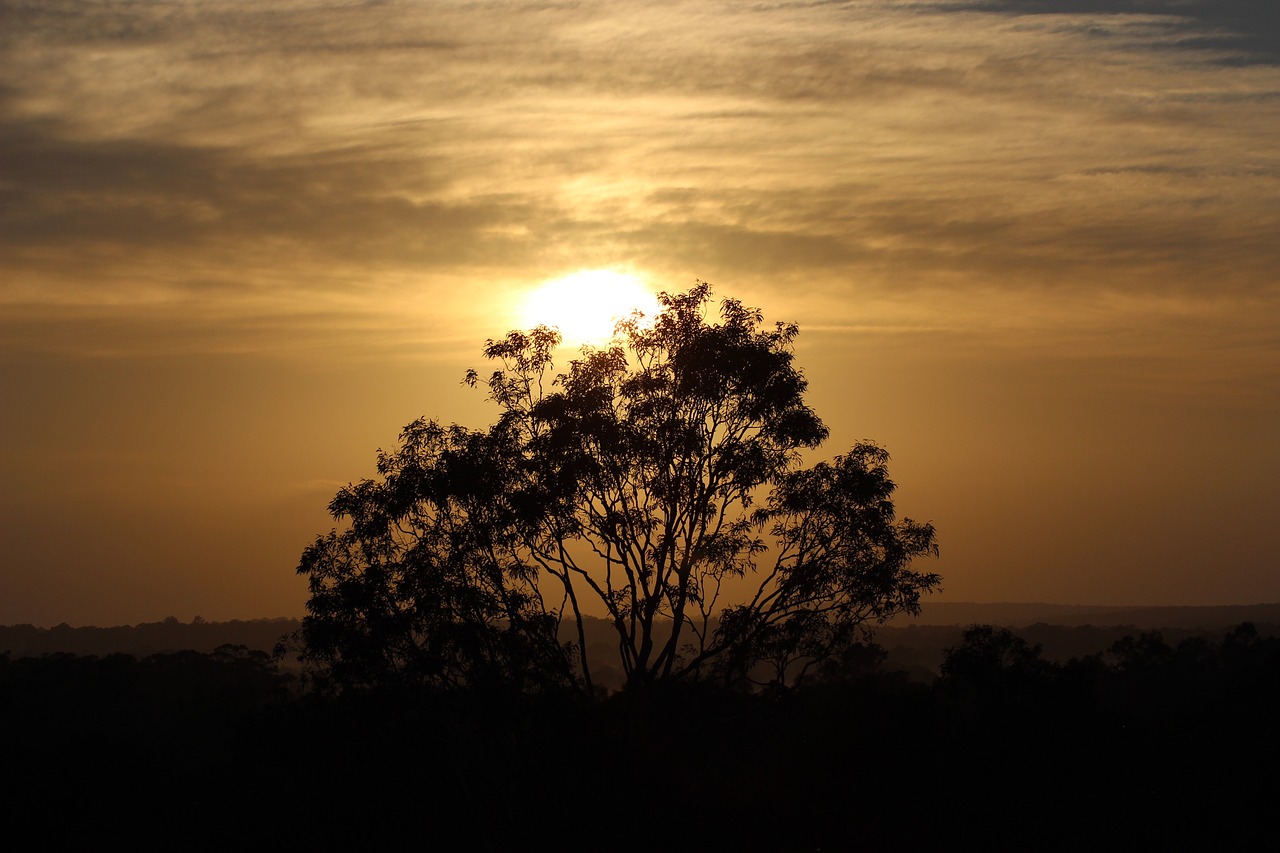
353 204
1249 30
319 26
1115 242
481 50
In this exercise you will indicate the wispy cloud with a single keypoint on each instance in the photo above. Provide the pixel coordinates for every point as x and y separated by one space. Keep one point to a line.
294 166
1233 31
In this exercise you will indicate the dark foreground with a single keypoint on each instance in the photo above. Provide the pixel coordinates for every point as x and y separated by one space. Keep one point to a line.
1149 745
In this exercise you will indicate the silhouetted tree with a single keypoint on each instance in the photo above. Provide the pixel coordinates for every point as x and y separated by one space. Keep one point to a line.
993 670
987 652
641 484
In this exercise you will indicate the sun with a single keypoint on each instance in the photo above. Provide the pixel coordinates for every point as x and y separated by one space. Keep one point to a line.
587 304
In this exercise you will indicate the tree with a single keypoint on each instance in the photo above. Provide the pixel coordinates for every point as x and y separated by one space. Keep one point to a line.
657 483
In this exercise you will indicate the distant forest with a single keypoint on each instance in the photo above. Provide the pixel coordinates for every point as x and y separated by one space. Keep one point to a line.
1156 737
915 645
147 638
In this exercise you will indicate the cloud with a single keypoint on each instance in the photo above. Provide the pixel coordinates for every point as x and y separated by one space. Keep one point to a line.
1238 31
300 158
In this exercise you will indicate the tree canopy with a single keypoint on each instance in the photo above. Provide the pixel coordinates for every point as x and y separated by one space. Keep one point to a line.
656 483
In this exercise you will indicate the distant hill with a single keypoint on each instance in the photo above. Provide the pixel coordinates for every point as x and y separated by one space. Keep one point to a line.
148 638
914 644
1075 615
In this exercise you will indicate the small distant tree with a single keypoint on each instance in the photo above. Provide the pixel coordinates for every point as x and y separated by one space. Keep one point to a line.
639 485
993 671
988 653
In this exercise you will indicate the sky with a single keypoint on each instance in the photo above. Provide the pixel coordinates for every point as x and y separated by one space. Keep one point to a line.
1033 247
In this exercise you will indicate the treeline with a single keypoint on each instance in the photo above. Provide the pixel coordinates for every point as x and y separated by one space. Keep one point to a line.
921 649
147 638
917 648
1149 743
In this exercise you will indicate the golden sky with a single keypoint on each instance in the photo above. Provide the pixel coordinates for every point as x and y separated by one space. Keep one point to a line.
1033 247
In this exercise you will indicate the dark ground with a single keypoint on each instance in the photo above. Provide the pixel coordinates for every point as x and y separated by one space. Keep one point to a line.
1153 744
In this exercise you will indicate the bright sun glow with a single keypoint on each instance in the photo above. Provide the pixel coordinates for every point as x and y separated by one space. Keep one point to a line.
586 305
